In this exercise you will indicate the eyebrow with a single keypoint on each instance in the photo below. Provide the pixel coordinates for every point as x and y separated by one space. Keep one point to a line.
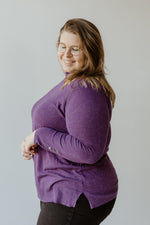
70 46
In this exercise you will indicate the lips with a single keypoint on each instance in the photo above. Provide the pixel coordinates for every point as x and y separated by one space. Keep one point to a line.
68 62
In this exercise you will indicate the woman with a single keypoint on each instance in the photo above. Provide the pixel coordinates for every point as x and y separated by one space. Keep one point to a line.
75 179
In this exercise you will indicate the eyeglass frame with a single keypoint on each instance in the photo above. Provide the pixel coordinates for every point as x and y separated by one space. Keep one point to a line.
73 53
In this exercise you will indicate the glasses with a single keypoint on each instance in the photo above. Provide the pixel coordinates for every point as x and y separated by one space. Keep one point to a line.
75 50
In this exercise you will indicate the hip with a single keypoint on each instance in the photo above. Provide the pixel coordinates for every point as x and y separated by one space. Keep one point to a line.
80 214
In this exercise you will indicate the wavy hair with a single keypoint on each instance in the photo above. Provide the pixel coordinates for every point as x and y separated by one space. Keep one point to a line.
93 70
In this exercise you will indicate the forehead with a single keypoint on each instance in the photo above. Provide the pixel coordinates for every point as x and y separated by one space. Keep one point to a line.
70 39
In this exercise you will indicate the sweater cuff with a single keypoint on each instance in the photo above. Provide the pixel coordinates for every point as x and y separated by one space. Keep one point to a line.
43 138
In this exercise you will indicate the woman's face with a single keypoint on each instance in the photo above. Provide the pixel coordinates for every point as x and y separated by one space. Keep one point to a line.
70 55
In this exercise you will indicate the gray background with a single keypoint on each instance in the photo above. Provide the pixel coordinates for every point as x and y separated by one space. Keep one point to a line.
29 68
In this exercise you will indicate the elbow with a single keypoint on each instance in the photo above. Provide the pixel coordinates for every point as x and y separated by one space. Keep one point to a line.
92 160
92 156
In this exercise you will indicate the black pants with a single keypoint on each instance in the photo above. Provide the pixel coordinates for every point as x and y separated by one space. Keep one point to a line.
57 214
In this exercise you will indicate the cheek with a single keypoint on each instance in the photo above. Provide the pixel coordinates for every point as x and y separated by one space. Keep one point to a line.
81 60
59 56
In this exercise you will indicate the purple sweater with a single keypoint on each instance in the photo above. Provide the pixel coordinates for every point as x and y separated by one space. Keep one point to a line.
73 133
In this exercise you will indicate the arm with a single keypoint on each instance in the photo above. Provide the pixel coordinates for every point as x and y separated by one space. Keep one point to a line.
87 121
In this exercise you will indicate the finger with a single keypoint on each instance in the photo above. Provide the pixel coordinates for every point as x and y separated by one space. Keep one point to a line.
28 158
29 153
23 147
35 146
33 152
26 155
34 149
24 151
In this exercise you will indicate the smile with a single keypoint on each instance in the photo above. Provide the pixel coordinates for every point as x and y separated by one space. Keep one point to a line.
67 62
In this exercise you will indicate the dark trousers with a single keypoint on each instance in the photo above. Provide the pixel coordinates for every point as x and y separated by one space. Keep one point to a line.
57 214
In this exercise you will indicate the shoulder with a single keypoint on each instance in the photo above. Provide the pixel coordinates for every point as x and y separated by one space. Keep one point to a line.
86 93
85 89
92 97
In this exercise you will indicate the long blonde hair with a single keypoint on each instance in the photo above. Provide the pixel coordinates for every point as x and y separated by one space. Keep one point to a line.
93 70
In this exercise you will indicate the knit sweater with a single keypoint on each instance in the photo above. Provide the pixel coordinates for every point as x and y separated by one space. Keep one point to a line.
73 133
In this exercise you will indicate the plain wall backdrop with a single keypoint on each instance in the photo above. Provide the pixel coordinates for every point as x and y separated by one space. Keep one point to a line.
29 68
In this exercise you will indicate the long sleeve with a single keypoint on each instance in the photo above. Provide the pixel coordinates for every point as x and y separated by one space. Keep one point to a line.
87 119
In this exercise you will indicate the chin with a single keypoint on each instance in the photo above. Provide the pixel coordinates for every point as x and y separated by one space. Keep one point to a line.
68 70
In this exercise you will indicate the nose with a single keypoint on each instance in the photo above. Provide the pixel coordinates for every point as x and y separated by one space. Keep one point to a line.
68 52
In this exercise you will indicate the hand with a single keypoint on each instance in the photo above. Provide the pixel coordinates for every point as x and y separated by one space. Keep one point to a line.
28 148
